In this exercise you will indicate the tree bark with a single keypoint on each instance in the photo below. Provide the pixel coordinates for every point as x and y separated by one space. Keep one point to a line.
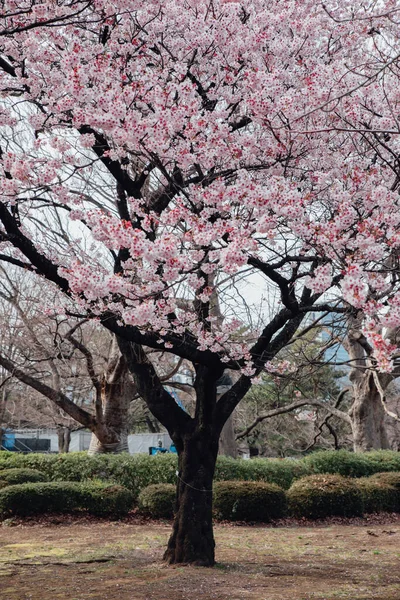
196 440
192 538
227 444
368 416
367 413
117 392
98 447
64 439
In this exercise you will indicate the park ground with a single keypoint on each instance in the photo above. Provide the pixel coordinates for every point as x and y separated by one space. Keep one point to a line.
85 559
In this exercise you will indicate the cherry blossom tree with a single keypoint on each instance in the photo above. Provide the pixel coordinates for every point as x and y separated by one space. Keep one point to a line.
255 143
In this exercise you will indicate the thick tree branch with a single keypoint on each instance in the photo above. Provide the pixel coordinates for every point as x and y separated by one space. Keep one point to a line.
121 176
60 399
184 347
43 265
287 290
5 65
150 388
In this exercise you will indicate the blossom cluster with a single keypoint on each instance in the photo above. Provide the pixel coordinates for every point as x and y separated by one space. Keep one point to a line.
193 142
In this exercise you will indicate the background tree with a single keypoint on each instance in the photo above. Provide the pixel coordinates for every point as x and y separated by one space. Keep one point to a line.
79 362
365 397
369 411
276 415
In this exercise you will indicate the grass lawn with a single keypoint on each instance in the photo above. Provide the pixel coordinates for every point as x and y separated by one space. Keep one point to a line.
122 561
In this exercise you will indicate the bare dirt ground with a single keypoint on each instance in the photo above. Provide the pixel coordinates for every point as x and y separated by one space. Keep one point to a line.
98 560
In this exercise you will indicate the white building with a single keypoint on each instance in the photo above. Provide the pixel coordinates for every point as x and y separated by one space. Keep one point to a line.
46 440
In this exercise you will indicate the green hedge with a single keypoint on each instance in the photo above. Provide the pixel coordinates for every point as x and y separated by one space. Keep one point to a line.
138 471
20 475
64 496
280 471
340 462
316 496
133 472
233 500
377 496
319 496
158 500
383 460
248 501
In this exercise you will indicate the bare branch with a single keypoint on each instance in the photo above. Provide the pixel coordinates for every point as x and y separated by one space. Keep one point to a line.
290 407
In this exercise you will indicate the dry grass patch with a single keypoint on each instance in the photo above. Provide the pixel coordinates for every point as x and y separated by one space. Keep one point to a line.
120 561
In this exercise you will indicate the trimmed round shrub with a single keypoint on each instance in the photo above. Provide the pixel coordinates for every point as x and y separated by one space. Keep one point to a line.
383 460
158 500
339 462
319 496
15 476
377 496
64 496
106 499
35 498
282 471
390 478
248 501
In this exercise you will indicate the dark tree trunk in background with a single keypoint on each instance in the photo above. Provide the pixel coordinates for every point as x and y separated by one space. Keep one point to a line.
192 539
64 439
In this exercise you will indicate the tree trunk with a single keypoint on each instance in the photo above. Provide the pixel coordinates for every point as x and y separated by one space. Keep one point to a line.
196 440
368 417
192 538
64 439
115 447
392 425
152 424
118 390
227 444
367 414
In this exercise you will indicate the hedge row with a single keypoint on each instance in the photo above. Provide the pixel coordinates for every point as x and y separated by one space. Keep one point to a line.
138 471
312 497
233 501
319 496
65 496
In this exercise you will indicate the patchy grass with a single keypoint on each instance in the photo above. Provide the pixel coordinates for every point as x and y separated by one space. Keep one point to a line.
123 561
